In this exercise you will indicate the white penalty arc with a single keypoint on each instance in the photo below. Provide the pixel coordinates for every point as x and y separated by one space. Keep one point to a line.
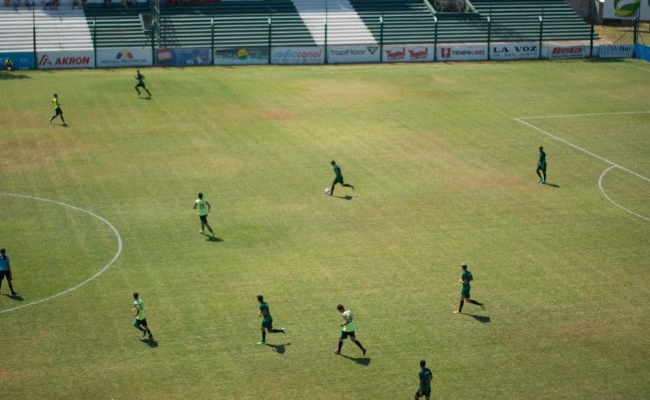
93 277
523 120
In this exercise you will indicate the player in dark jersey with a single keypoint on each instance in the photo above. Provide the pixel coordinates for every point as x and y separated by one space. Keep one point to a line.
465 280
140 78
267 320
541 166
338 178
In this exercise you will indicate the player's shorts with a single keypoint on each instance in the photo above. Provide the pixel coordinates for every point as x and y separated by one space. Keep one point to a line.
57 111
267 323
465 292
344 335
425 392
338 179
140 84
4 274
138 322
541 166
204 219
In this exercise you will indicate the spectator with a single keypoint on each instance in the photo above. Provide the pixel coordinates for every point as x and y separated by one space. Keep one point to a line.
29 4
9 64
75 3
16 4
108 3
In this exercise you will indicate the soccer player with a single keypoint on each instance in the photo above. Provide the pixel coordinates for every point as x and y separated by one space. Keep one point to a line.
140 78
347 329
57 110
425 376
267 320
5 270
338 178
465 280
140 321
541 166
203 207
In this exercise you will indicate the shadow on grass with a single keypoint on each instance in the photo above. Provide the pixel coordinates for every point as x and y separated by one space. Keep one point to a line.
365 361
210 238
552 185
279 348
480 318
346 197
150 342
16 297
11 75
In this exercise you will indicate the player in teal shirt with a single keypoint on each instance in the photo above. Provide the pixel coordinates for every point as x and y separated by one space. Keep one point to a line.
5 270
347 329
338 178
465 280
425 377
541 166
267 320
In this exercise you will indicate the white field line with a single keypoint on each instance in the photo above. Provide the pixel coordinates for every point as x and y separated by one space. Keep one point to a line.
98 273
612 164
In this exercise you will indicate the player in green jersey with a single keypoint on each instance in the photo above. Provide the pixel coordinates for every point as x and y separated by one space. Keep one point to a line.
338 178
425 377
203 207
140 321
465 280
267 320
57 110
347 329
140 78
541 166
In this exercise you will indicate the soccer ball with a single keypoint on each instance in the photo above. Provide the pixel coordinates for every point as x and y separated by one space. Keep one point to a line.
327 191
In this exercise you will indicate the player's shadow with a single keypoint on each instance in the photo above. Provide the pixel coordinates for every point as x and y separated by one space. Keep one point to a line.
552 185
365 361
481 318
12 75
16 297
346 197
211 238
279 348
150 342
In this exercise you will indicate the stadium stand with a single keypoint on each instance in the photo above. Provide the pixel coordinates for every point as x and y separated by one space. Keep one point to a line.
118 26
63 29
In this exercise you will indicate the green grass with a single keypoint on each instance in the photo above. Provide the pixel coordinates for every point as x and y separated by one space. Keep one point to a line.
444 173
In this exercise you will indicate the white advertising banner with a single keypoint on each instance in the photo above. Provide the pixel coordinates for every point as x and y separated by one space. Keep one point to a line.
562 52
627 9
65 59
353 54
408 53
124 57
616 50
462 53
297 55
514 51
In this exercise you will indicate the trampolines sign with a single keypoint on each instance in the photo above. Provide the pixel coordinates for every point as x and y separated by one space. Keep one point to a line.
462 53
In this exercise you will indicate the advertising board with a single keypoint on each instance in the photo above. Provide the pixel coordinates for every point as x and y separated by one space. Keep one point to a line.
462 52
65 59
408 53
183 57
353 54
124 57
241 56
514 51
298 55
616 50
21 60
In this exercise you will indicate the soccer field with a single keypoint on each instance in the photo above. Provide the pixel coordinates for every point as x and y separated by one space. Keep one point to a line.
442 157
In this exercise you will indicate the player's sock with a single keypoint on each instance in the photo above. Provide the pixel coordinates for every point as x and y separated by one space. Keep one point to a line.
340 346
460 307
263 336
361 346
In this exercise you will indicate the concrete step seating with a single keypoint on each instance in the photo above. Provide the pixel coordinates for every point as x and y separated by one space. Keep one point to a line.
60 29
